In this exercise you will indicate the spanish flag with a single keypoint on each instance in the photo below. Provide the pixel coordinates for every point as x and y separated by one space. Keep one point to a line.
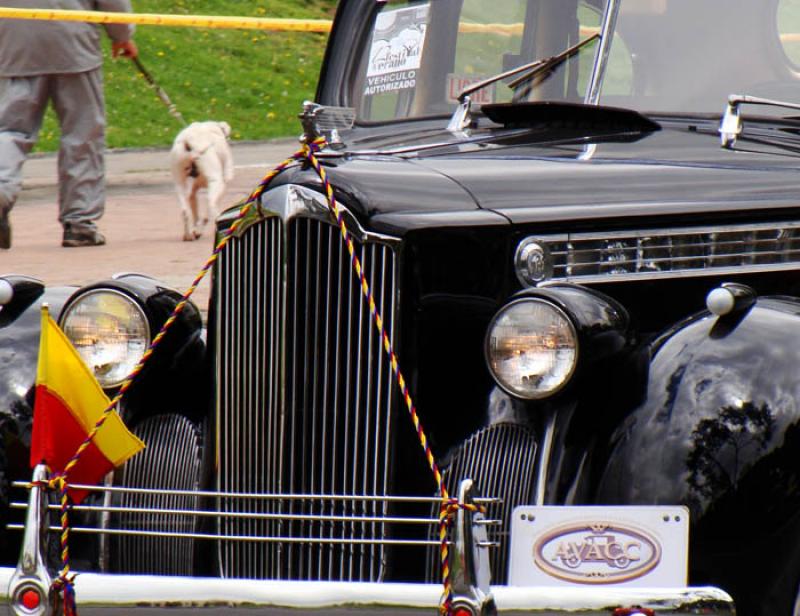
69 402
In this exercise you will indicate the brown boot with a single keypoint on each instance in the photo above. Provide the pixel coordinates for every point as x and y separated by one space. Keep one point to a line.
75 237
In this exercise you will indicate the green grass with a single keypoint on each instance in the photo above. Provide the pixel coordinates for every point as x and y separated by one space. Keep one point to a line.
254 80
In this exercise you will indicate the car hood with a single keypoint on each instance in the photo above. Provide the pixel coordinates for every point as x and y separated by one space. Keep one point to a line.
524 177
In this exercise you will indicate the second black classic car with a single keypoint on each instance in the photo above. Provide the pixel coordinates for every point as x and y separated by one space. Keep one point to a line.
579 223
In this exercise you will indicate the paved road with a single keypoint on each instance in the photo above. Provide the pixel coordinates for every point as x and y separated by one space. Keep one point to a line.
142 222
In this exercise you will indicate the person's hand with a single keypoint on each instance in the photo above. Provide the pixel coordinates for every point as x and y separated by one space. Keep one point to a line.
127 49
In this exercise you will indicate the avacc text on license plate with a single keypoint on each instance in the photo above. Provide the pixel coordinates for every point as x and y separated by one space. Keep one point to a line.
620 546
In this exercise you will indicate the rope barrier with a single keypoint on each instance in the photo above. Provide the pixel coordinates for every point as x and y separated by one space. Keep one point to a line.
187 21
449 506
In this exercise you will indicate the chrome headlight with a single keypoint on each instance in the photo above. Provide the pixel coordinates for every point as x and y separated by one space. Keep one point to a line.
110 331
532 348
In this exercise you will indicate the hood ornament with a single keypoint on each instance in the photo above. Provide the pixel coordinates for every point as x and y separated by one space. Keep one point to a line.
325 121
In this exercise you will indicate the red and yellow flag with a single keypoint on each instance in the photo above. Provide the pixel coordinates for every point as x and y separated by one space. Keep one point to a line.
69 402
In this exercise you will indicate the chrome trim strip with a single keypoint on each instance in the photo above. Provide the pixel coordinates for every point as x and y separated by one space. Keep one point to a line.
292 201
601 58
671 231
85 530
179 596
712 251
233 514
661 260
545 452
251 496
709 271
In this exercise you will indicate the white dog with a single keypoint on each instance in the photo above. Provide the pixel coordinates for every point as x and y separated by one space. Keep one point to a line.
201 158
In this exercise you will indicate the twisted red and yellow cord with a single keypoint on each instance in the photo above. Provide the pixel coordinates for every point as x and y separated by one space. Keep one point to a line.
448 507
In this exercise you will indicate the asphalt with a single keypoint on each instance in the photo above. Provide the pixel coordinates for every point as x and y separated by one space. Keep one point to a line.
142 221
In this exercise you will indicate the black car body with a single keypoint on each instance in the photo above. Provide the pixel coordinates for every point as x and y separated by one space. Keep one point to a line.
542 257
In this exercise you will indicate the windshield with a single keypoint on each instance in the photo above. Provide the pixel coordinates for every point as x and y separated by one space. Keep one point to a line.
662 56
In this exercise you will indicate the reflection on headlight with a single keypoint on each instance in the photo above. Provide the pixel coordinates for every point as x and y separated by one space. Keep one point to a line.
109 331
532 348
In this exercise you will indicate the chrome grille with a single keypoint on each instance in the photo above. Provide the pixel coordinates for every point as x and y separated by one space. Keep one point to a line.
171 463
250 297
500 460
697 251
305 399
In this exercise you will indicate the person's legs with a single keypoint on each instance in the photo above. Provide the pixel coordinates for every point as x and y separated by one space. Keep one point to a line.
78 100
23 101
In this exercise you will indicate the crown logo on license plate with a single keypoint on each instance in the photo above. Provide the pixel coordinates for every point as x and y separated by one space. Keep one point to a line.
628 546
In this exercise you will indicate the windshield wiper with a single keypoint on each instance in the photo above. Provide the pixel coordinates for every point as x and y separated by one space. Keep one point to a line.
731 125
461 117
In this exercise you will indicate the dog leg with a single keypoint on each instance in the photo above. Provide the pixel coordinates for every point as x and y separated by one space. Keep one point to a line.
227 164
216 189
182 189
197 230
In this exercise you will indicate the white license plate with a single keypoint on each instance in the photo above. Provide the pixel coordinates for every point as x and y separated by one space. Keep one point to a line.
619 546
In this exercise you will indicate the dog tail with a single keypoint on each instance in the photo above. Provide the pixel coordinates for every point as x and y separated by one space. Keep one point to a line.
193 155
195 148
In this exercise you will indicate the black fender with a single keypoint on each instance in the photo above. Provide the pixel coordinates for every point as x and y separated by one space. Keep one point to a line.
174 380
20 322
719 432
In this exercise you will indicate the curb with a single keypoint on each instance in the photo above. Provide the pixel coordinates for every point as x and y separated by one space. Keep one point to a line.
149 166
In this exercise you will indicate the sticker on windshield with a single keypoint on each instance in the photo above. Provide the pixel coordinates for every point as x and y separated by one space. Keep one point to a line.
396 51
457 83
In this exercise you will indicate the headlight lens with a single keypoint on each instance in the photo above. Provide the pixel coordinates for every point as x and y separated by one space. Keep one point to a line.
110 332
532 348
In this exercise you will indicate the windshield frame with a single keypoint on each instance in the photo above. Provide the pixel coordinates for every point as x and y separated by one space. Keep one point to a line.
355 20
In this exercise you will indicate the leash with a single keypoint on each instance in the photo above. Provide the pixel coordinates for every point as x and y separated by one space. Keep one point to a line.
173 110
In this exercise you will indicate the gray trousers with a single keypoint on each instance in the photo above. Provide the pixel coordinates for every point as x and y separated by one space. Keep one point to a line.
78 102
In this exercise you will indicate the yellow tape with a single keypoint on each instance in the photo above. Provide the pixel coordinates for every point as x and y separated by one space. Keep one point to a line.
189 21
214 22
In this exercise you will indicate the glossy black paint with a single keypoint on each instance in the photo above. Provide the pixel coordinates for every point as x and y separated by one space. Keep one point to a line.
462 207
718 432
20 323
498 194
542 178
642 422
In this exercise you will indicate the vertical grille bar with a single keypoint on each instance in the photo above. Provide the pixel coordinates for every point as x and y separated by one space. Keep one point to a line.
328 430
248 377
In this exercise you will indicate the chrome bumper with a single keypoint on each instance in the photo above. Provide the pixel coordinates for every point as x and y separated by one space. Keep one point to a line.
116 594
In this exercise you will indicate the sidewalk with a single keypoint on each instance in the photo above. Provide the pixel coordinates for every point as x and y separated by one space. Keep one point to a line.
142 222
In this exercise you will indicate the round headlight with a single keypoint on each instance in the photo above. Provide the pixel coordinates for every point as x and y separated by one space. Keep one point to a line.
109 331
532 348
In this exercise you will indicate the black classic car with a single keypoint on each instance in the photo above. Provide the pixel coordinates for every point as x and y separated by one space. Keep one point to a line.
579 221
